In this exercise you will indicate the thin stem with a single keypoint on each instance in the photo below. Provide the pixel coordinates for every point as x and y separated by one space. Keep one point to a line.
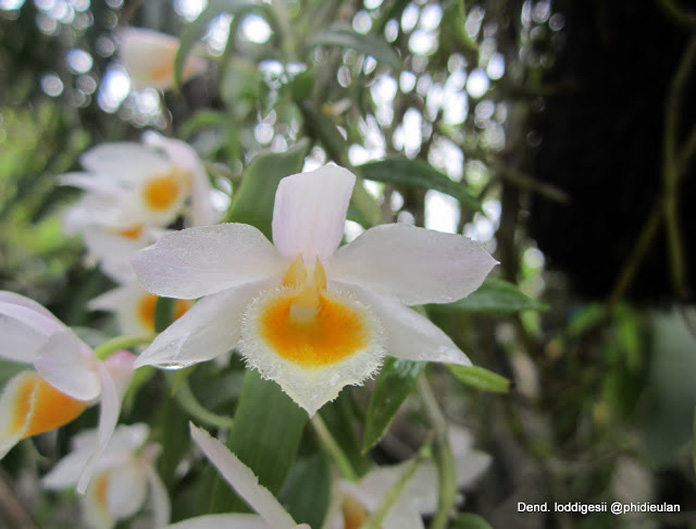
331 446
187 400
447 480
376 518
120 342
670 169
632 265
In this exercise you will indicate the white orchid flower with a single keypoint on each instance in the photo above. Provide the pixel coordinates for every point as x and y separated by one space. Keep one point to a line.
66 378
124 477
271 514
132 192
134 308
148 57
352 503
305 313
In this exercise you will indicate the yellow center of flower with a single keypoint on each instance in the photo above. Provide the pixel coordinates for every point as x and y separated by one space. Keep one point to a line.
38 407
162 192
307 325
101 490
146 309
130 232
354 512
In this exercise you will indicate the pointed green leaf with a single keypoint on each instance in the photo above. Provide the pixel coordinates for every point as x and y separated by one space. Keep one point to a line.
493 296
253 202
480 378
265 436
307 491
369 44
417 173
394 384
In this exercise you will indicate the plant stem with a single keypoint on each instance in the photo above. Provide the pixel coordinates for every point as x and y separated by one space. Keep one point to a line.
333 449
670 169
444 459
120 342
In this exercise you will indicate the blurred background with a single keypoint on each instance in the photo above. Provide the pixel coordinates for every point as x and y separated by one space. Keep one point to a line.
559 134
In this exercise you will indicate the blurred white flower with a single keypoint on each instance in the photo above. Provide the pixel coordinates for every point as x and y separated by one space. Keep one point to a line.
132 193
66 379
124 477
352 503
312 317
148 56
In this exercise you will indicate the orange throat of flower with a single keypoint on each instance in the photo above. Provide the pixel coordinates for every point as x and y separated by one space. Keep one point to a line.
165 192
308 326
35 406
145 310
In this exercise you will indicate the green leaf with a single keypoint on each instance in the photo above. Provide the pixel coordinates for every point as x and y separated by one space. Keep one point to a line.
201 119
307 491
197 28
265 436
253 201
417 173
394 384
346 37
493 296
172 432
480 378
470 520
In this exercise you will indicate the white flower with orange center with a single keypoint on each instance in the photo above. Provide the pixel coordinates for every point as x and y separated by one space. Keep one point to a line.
305 313
132 192
352 503
148 57
66 379
124 478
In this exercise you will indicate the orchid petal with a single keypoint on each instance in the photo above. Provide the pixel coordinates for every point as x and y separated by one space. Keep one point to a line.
148 56
159 499
310 212
24 328
127 489
20 337
412 264
23 301
66 473
120 368
29 406
208 329
96 509
216 521
66 362
113 252
199 261
108 417
243 480
410 335
124 161
10 435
